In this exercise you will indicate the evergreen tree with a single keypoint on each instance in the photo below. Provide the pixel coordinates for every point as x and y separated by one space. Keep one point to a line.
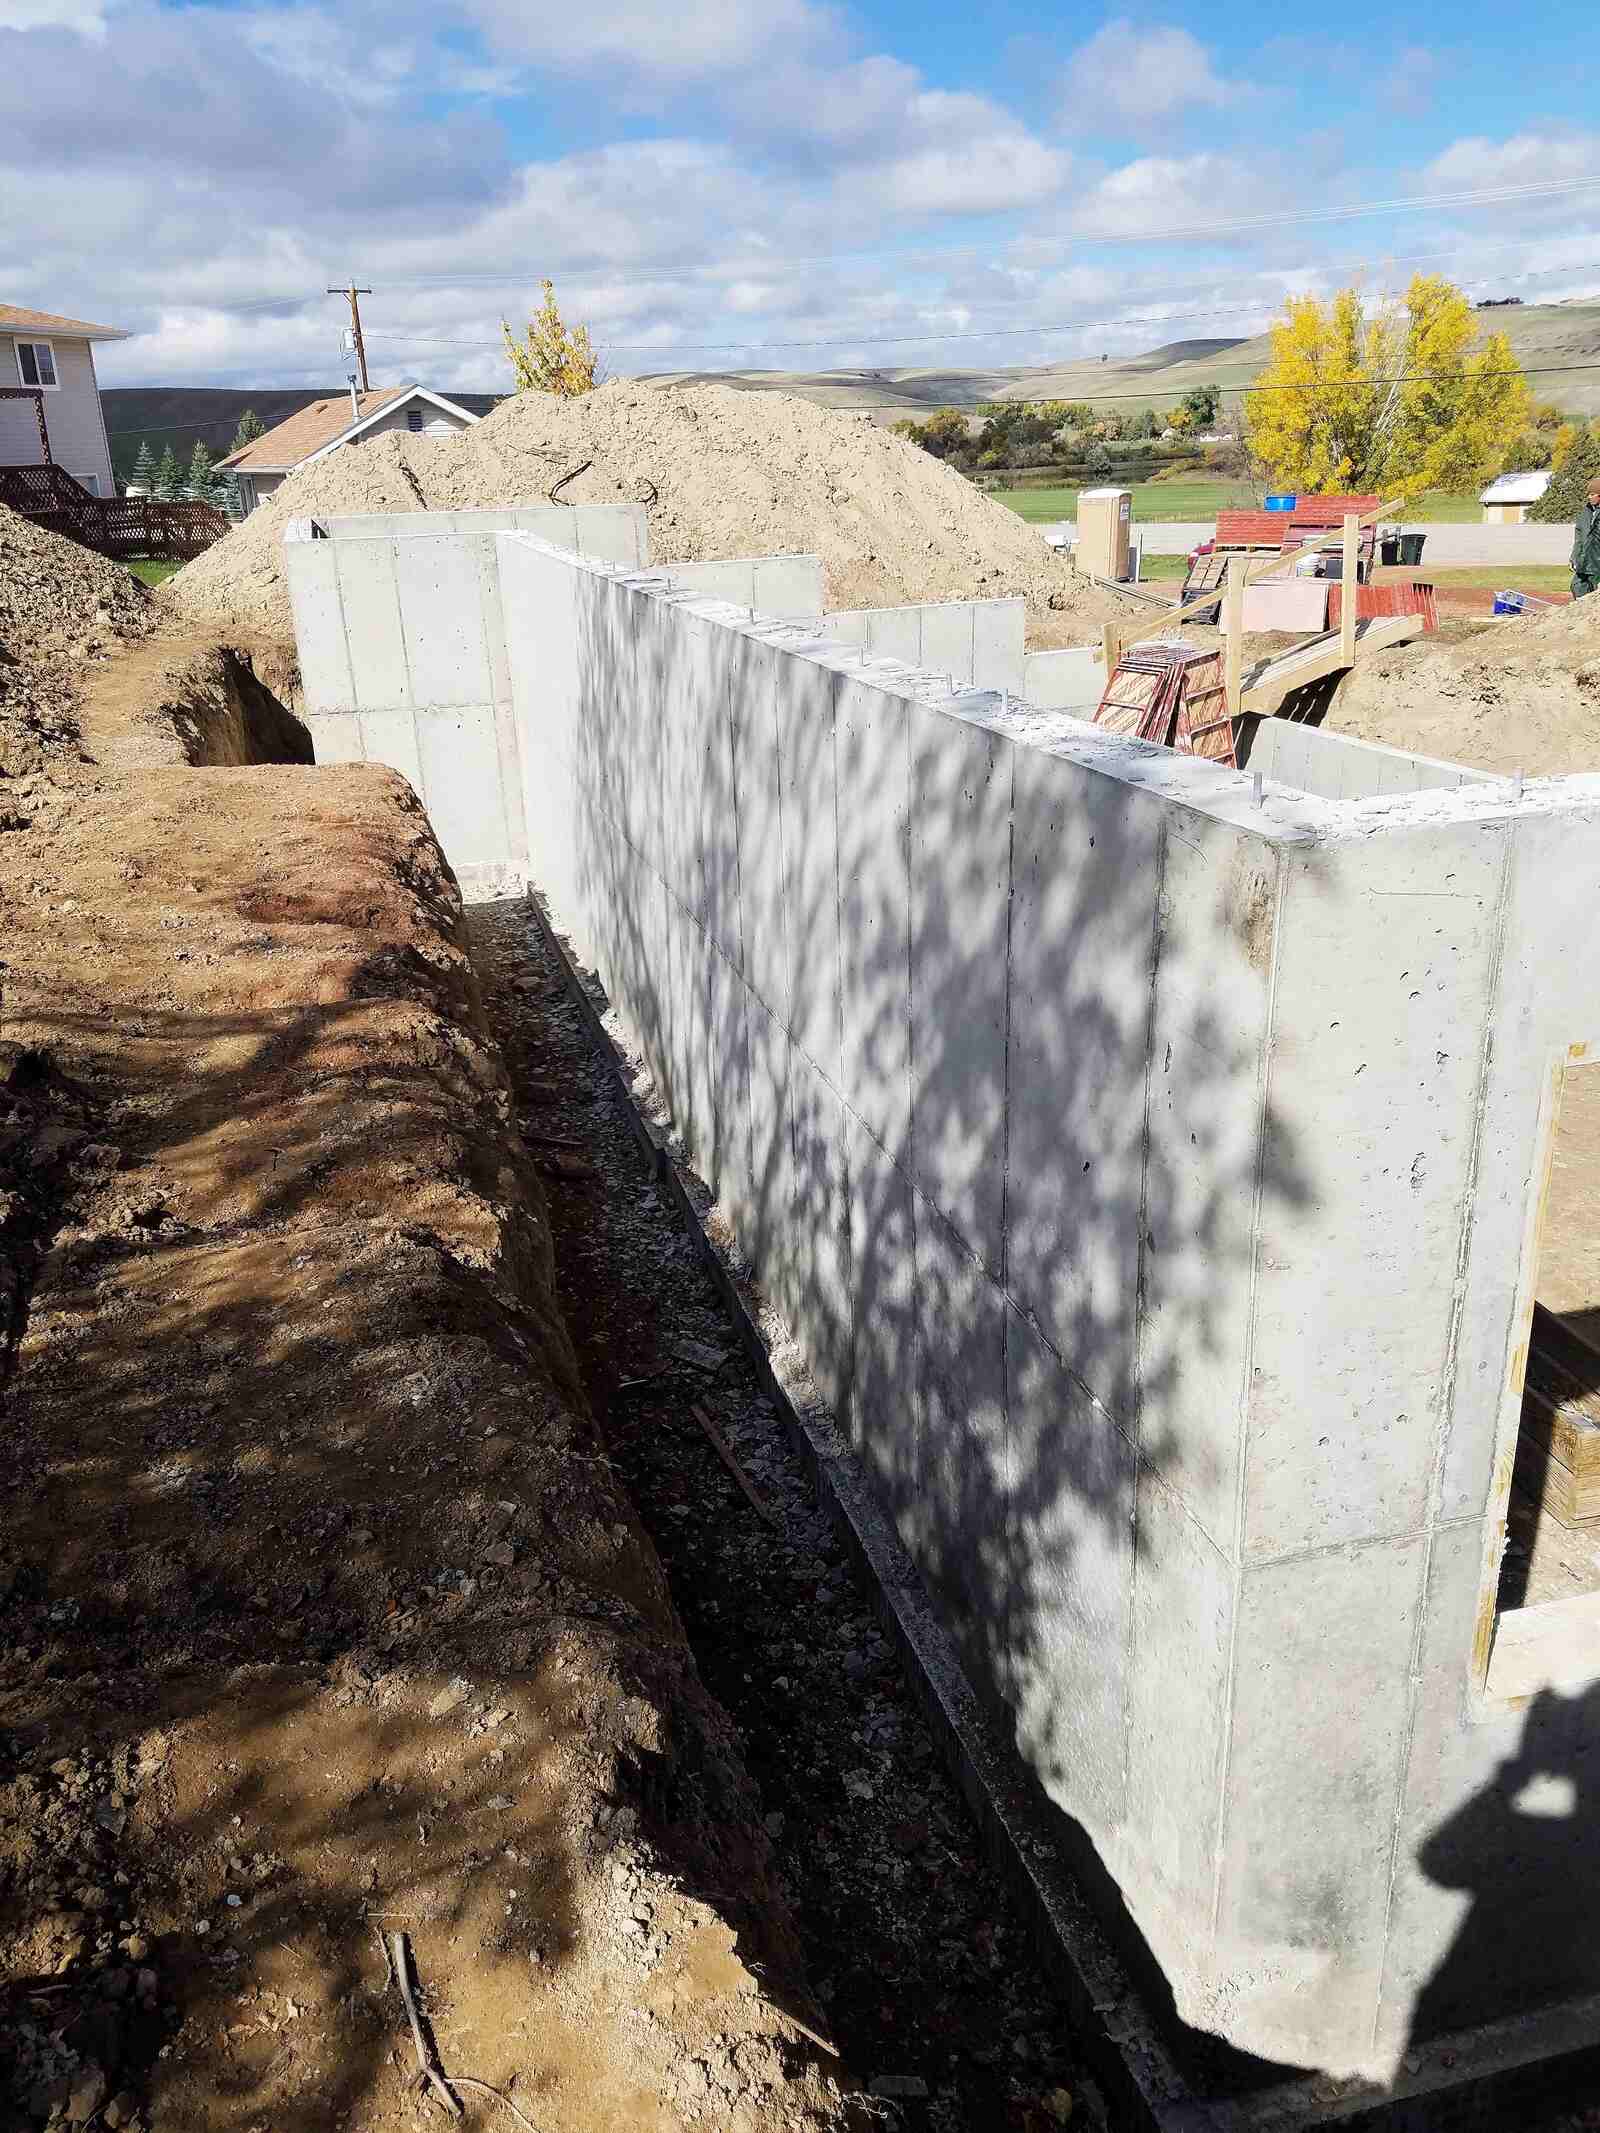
250 428
202 485
1576 463
144 469
169 477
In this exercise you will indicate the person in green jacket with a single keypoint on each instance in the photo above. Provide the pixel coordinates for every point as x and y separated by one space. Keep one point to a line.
1586 545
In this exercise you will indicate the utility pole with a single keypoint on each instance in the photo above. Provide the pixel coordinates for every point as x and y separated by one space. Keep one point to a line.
353 293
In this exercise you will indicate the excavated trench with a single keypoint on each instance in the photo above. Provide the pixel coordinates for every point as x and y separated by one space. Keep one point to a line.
933 1996
195 699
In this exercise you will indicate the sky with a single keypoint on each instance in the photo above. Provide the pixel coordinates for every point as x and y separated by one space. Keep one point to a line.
765 184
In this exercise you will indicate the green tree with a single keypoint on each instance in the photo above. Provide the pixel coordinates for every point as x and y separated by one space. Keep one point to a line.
169 477
1395 398
1576 465
204 485
1200 406
1145 424
1526 453
250 428
946 433
144 469
555 358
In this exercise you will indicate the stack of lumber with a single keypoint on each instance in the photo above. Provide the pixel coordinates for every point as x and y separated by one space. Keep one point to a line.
1173 694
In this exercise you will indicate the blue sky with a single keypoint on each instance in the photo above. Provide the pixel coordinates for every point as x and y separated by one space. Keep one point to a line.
763 183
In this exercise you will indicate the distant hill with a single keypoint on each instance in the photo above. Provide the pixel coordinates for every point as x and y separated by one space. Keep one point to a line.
1554 342
179 414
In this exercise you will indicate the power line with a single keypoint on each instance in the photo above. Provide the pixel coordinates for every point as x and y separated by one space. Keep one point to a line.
1482 196
899 340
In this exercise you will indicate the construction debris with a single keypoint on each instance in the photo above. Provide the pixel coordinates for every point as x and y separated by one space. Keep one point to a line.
1171 693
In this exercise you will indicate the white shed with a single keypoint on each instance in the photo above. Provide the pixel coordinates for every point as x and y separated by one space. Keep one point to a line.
1505 502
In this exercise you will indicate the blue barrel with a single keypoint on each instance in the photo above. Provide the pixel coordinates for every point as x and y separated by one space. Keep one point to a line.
1281 503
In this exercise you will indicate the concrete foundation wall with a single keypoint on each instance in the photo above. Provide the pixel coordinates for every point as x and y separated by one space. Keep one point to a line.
1071 680
1147 1177
1151 1179
979 642
788 586
1336 767
402 657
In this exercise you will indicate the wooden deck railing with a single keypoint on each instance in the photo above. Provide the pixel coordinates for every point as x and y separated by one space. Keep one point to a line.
116 526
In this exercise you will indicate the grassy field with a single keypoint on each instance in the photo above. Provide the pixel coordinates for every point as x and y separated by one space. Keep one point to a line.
1154 501
152 573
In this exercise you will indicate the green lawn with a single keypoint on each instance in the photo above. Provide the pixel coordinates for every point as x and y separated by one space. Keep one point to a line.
1157 500
1151 500
149 573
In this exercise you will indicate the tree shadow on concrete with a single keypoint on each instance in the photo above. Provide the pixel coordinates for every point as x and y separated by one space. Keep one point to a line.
948 1027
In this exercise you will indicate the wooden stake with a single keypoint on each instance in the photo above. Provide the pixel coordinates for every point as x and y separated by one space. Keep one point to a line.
1110 648
1348 589
1233 632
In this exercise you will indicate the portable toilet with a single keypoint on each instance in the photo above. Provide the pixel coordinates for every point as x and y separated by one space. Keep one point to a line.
1105 525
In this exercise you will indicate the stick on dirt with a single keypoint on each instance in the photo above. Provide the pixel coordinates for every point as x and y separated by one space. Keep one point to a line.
734 1468
400 1957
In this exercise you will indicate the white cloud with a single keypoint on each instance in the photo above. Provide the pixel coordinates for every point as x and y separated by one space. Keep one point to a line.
1141 76
86 17
1155 194
661 40
1477 162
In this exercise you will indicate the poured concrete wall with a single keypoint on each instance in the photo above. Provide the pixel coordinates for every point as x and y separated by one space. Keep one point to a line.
971 641
1151 1178
402 650
789 586
1337 767
1070 680
402 657
1147 1176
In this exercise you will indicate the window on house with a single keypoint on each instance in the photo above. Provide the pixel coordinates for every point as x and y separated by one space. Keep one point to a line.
414 419
36 364
1547 1621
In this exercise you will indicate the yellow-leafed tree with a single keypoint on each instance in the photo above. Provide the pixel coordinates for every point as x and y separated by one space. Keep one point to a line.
1392 398
556 357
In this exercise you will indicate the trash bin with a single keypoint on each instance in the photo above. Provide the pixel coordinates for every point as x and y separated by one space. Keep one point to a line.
1411 548
1389 549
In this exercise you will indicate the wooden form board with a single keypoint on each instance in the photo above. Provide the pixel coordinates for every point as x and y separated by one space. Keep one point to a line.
1558 1452
1266 686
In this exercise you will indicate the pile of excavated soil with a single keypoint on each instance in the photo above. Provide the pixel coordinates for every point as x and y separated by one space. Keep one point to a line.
62 608
724 473
322 1612
1502 696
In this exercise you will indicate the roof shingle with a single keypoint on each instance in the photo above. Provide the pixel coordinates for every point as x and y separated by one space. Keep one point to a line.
301 434
16 318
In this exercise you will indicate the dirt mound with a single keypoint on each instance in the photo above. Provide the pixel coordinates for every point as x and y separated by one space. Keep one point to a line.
61 607
352 1627
1503 696
723 473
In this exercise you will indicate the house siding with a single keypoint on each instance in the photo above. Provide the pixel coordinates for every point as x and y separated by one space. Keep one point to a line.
435 422
72 415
